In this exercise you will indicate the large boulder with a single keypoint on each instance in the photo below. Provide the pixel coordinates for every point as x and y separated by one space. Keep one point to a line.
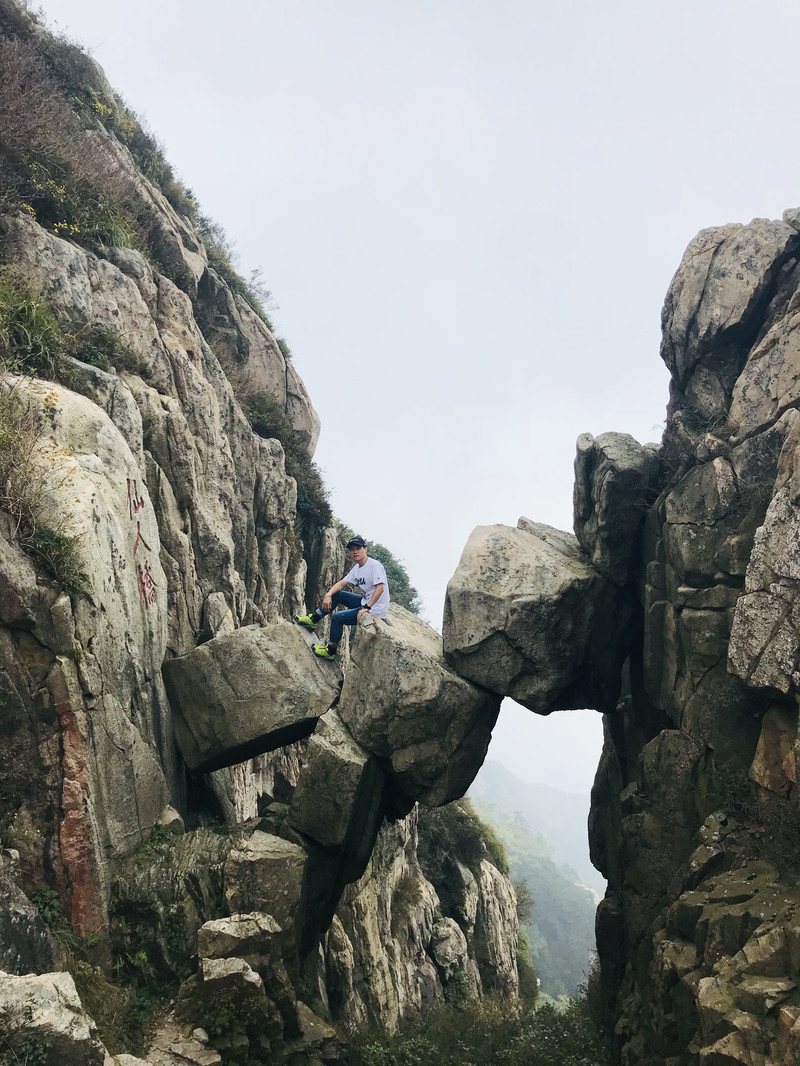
25 944
615 480
402 702
245 693
266 873
526 615
720 287
241 935
338 800
42 1016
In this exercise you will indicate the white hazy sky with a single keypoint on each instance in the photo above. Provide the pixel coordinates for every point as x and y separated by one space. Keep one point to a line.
468 213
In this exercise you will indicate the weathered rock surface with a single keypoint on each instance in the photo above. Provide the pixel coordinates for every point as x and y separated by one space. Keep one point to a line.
615 480
266 873
163 895
391 949
526 615
25 944
725 279
401 702
193 551
496 955
339 798
240 935
44 1012
694 802
246 692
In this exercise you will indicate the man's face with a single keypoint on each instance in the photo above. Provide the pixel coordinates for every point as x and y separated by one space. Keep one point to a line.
358 555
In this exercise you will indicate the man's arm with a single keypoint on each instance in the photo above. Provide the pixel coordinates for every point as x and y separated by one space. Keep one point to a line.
376 595
326 599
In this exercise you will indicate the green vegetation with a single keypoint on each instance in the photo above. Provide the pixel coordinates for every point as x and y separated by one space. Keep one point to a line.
456 831
56 112
159 841
146 989
32 341
559 921
400 586
43 535
112 1007
100 345
456 991
30 338
16 1050
269 419
492 1032
222 257
49 168
406 897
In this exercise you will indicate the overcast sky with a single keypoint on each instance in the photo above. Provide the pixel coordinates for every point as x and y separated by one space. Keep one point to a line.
468 214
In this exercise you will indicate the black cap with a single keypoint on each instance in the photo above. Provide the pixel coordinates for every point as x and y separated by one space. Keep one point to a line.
356 542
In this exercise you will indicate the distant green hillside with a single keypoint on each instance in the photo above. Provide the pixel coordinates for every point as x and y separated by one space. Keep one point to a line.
559 818
561 927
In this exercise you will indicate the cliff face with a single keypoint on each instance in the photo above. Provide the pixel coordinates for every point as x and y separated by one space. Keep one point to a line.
674 611
156 679
695 808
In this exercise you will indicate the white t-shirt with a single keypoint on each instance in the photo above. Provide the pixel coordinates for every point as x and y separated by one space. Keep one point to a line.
367 577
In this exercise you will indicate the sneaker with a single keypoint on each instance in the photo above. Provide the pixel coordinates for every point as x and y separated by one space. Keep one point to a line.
307 621
322 651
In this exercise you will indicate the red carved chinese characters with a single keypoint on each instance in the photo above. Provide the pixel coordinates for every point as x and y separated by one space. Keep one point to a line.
144 575
147 587
135 501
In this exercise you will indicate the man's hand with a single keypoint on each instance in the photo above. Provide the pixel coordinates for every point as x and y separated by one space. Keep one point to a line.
327 601
364 610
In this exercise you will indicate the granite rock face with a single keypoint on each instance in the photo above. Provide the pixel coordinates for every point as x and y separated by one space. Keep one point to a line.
25 943
172 756
43 1011
245 692
695 799
527 615
615 479
394 944
403 703
675 612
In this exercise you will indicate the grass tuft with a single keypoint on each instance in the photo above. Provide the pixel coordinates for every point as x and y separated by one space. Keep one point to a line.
42 534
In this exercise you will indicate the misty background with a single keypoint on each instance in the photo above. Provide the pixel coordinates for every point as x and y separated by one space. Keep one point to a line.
468 214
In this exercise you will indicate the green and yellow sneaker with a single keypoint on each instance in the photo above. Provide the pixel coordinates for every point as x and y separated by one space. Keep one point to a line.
322 651
307 621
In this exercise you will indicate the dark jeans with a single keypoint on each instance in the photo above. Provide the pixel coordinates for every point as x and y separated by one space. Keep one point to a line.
344 618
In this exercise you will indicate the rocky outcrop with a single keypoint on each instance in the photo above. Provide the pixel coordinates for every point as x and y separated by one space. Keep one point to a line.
157 685
615 478
252 690
402 702
527 615
680 598
25 944
42 1015
394 947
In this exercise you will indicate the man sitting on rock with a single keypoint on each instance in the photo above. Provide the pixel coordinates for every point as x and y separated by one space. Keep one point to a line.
370 577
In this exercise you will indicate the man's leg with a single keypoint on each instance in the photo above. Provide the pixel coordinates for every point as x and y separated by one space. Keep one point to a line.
339 599
339 620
